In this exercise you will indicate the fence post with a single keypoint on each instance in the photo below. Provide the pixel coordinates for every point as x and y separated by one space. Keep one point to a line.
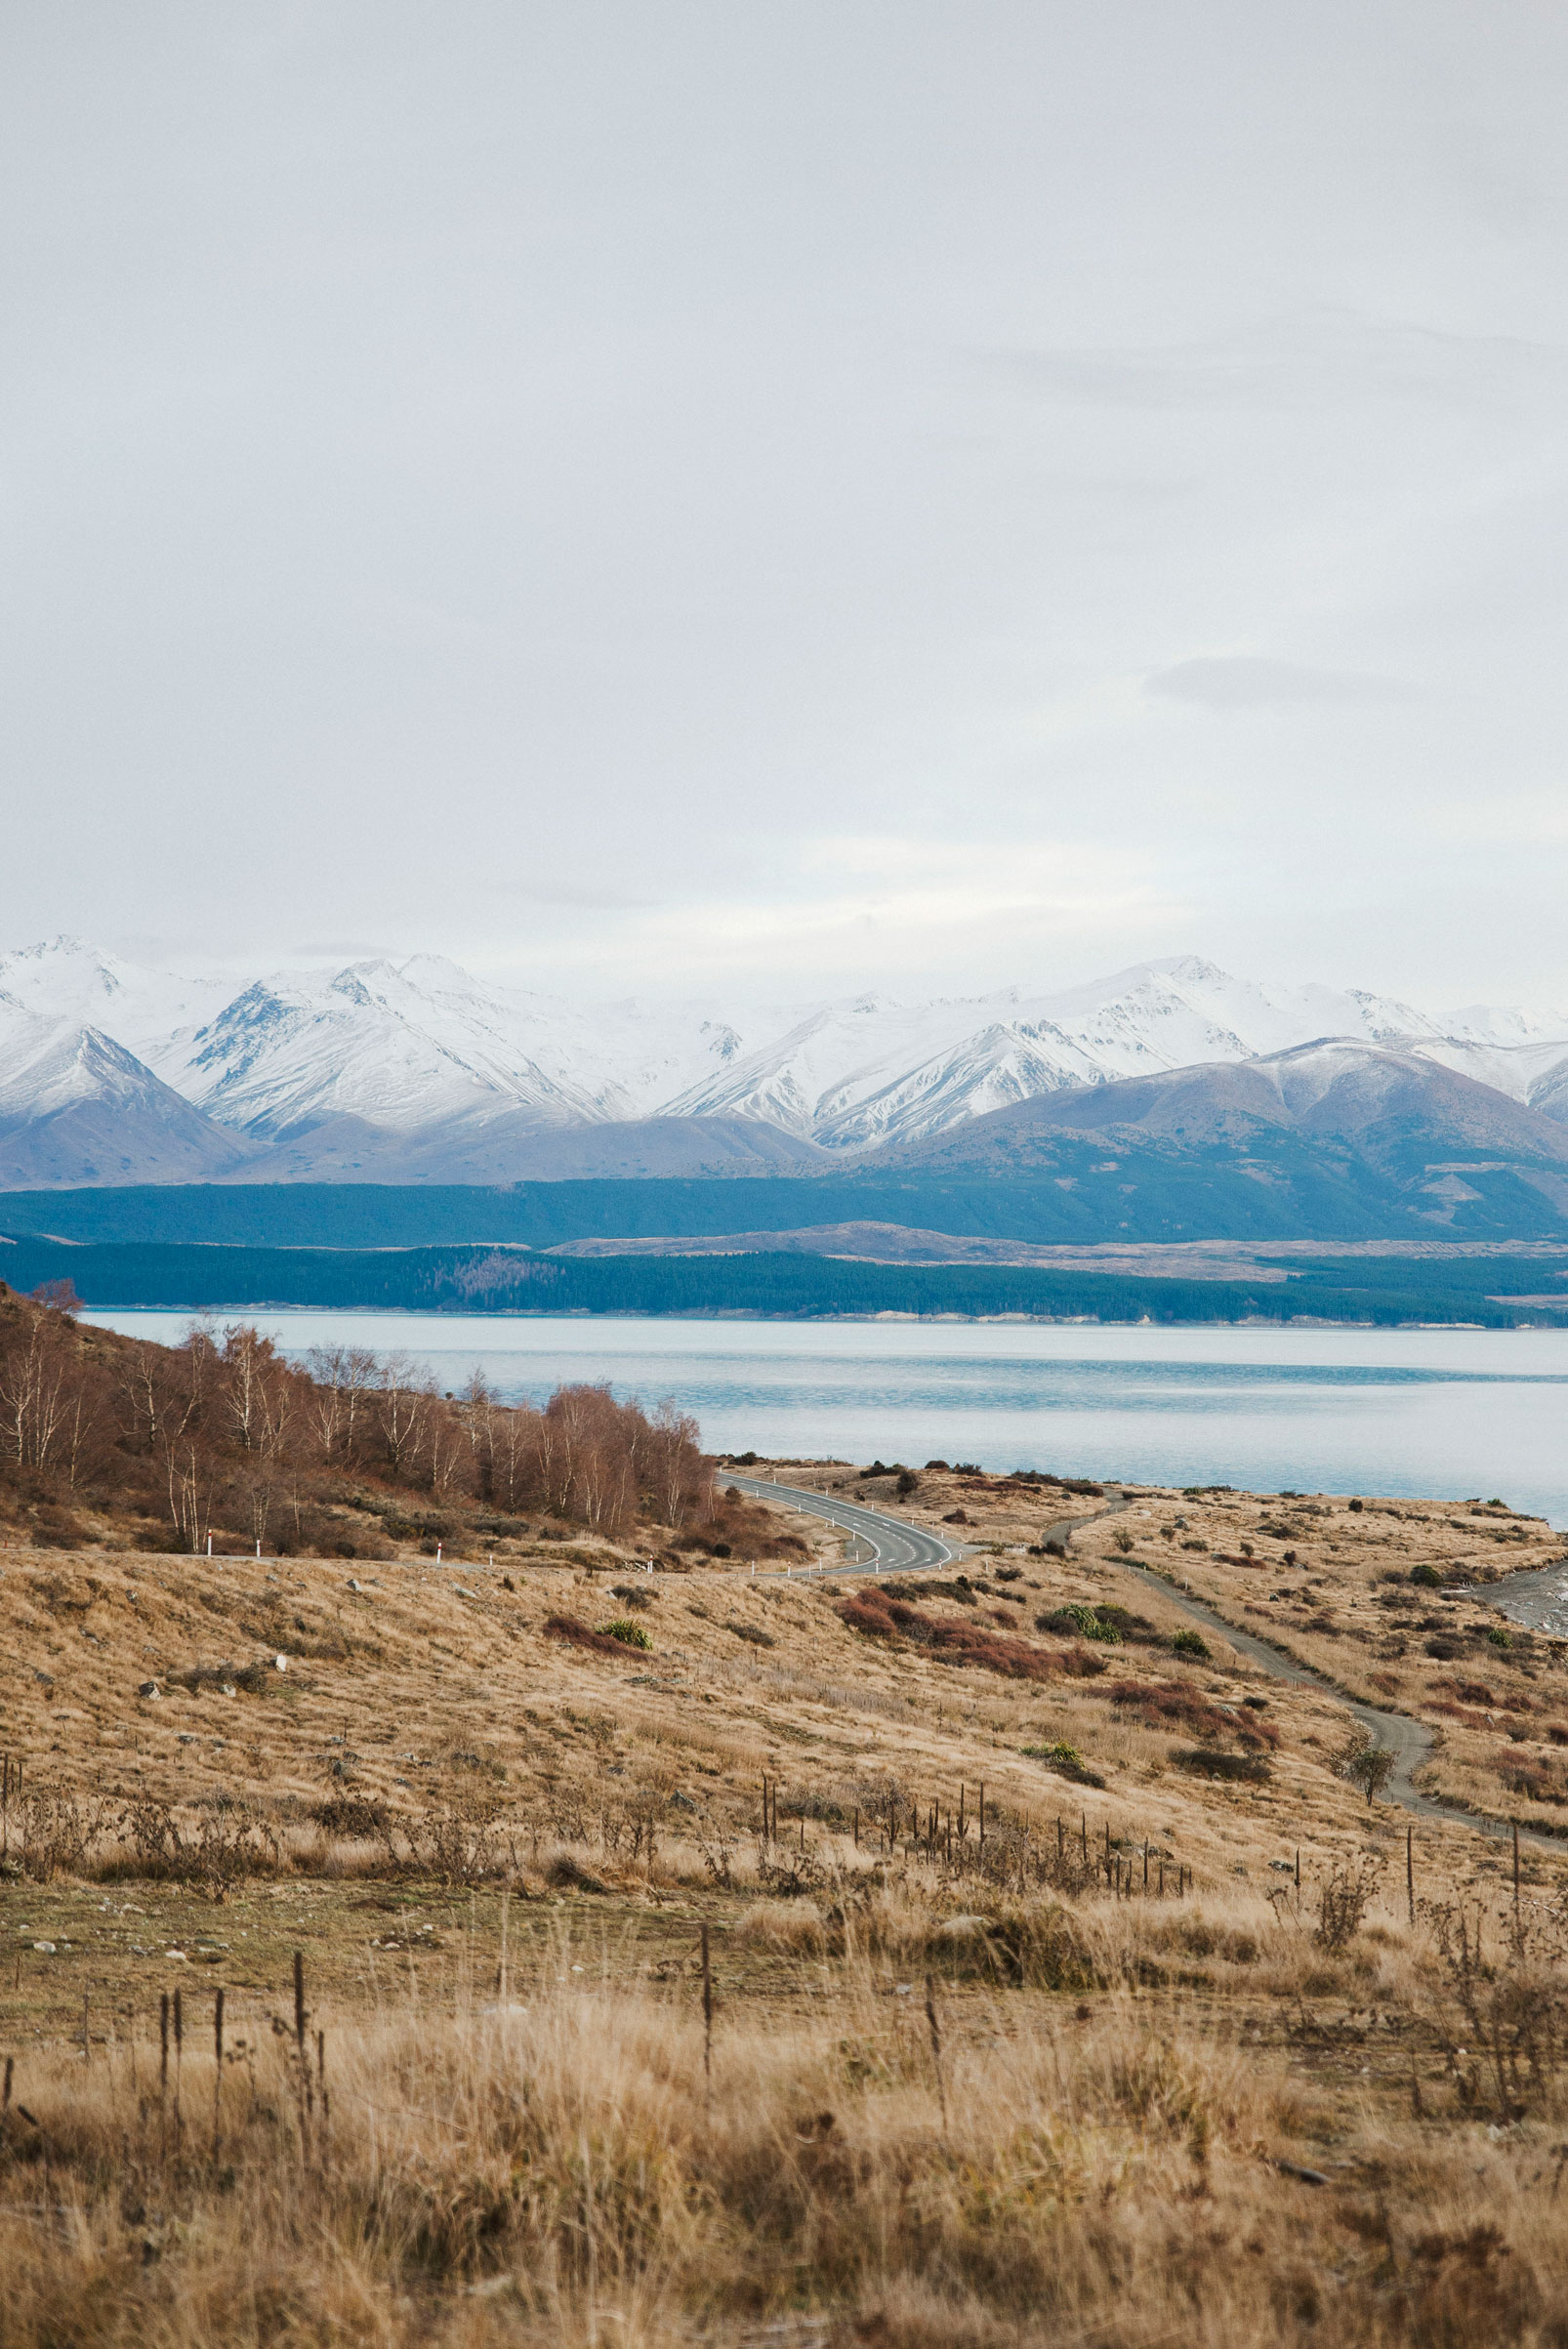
706 2025
1516 1875
217 2073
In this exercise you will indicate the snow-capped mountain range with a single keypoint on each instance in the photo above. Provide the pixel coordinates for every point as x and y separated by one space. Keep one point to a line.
115 1072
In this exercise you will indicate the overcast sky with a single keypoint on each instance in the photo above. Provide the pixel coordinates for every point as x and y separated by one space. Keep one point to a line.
805 495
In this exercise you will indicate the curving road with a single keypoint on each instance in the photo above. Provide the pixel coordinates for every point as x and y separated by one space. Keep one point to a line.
910 1549
896 1545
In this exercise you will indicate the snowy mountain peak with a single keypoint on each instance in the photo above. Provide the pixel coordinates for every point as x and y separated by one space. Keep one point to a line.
435 975
59 976
417 1047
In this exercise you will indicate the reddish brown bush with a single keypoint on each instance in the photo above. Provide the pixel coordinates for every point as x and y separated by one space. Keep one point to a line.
1469 1692
1464 1714
1080 1664
578 1636
952 1642
1173 1707
1538 1781
862 1616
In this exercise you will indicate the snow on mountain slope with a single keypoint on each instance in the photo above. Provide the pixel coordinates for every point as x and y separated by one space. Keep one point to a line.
1392 1109
78 1108
65 978
382 1053
856 1075
633 1057
827 1063
368 1042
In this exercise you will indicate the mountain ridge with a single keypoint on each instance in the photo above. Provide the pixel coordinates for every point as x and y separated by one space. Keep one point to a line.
415 1072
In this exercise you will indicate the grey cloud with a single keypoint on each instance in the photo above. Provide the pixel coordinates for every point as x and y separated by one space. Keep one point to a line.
350 950
499 480
1245 684
1297 365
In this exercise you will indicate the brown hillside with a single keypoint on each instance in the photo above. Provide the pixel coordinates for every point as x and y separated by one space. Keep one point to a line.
1070 2082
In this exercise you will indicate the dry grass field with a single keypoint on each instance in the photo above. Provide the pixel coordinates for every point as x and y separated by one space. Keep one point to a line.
1145 2044
1377 1595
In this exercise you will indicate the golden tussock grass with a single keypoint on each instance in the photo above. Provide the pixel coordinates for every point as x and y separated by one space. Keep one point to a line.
550 2165
1137 2014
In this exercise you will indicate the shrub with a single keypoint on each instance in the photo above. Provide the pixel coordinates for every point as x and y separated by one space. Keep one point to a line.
960 1588
1468 1692
355 1815
598 1643
1499 1637
568 1875
1426 1575
1043 1945
223 1845
1365 1764
861 1615
1344 1901
53 1831
1067 1761
629 1634
1089 1623
880 1616
1173 1707
1189 1643
1538 1779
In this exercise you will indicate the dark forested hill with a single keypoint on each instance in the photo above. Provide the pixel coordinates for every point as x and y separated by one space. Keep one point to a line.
486 1280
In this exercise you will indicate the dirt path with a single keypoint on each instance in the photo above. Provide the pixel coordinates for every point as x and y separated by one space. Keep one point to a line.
1410 1742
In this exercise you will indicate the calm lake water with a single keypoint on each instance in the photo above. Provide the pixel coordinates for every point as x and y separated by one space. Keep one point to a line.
1444 1413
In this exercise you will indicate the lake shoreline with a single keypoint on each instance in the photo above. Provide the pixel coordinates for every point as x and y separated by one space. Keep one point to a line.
1460 1414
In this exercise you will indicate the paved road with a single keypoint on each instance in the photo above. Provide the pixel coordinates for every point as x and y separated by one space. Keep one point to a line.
896 1545
912 1551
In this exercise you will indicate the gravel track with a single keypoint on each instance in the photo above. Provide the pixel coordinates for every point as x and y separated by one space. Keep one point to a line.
905 1549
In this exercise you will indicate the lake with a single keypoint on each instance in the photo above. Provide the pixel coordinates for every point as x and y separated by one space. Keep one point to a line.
1447 1412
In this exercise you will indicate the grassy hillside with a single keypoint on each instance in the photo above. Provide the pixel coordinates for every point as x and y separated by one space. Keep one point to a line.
1166 2056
